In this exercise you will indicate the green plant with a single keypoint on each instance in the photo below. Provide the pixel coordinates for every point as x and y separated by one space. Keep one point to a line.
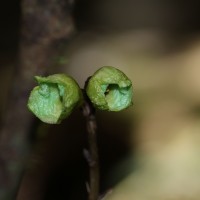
110 89
55 98
58 95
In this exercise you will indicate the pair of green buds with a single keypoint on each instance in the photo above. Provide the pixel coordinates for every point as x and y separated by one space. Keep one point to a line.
58 95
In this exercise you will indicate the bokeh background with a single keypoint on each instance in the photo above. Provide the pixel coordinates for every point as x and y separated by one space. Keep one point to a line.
151 150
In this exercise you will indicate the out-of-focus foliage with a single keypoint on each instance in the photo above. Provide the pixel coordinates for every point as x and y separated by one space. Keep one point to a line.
166 100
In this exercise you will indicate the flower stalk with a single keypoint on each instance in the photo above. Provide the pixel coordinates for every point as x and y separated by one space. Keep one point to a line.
92 157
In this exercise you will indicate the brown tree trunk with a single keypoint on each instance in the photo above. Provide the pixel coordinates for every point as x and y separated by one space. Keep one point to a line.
45 24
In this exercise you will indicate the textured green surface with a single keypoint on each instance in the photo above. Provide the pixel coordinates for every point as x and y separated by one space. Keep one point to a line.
110 89
55 98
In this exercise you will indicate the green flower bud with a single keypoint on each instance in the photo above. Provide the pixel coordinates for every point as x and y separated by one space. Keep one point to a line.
110 89
55 98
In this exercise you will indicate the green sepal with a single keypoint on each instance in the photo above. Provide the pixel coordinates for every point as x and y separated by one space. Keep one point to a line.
54 98
110 89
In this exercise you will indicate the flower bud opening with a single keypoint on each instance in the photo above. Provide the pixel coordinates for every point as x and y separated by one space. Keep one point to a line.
110 89
55 98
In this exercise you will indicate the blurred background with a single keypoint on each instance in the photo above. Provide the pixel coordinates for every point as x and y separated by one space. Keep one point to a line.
151 150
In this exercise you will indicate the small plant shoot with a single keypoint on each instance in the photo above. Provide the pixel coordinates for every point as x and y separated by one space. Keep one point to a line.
56 96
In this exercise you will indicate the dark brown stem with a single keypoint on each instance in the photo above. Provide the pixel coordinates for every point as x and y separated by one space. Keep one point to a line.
92 155
44 27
